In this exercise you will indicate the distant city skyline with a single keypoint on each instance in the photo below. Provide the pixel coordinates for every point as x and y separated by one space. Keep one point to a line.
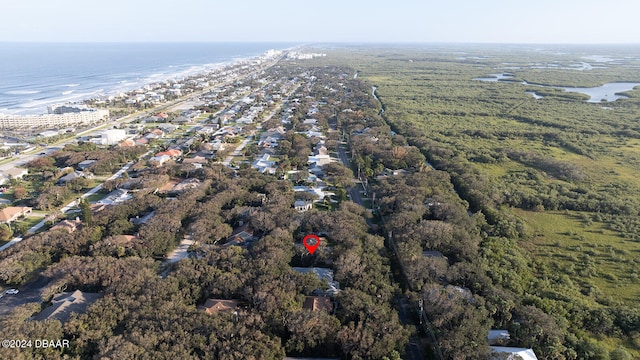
468 21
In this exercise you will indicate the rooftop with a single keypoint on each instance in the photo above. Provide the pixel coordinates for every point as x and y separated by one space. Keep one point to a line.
213 306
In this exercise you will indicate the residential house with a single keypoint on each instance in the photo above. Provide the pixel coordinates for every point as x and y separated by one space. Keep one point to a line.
191 113
271 138
155 97
12 213
72 176
264 165
161 117
318 191
85 164
389 172
227 117
68 225
197 161
213 127
142 141
157 132
498 337
204 129
207 154
302 205
213 306
127 143
242 236
168 128
216 145
333 287
318 303
172 153
151 136
321 150
181 120
150 119
49 133
512 353
116 197
433 254
245 120
160 159
317 161
313 132
64 304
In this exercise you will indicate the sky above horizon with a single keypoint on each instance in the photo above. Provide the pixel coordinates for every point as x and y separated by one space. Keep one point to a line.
468 21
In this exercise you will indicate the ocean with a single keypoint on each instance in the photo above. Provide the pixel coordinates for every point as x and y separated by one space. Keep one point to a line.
35 75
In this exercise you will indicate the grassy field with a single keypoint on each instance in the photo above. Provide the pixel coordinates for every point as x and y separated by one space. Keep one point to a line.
570 243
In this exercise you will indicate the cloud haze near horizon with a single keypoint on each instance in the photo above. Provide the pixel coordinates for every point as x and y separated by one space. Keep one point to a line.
490 21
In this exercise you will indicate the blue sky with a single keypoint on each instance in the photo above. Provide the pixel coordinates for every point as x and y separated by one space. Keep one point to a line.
500 21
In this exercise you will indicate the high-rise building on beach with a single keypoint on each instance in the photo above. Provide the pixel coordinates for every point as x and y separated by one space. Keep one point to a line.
55 120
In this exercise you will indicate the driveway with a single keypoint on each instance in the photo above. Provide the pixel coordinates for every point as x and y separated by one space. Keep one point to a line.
30 292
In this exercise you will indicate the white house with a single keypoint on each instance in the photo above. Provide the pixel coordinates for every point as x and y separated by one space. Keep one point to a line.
115 197
263 164
319 160
161 159
495 337
244 120
333 287
302 205
512 353
114 136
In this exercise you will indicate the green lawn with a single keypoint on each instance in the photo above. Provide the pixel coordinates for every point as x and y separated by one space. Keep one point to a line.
27 222
95 197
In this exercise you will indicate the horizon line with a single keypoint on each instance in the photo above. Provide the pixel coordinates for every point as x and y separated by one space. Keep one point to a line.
400 42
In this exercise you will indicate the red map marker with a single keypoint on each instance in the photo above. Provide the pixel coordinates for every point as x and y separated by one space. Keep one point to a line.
311 242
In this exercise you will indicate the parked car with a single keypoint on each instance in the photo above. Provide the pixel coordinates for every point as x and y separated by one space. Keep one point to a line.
12 291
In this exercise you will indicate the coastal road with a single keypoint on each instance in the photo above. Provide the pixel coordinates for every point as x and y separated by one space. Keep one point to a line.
22 159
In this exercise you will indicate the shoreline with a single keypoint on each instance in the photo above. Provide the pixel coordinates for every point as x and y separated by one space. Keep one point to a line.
120 85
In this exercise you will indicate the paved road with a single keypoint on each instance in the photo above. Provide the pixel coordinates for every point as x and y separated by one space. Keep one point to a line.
30 292
412 350
180 252
237 151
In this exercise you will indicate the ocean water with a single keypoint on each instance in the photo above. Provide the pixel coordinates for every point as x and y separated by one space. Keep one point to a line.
34 75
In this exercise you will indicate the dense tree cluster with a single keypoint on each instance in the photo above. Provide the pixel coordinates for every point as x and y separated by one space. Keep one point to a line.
499 149
141 314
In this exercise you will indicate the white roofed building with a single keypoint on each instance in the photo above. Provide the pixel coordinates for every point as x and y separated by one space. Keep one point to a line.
512 353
